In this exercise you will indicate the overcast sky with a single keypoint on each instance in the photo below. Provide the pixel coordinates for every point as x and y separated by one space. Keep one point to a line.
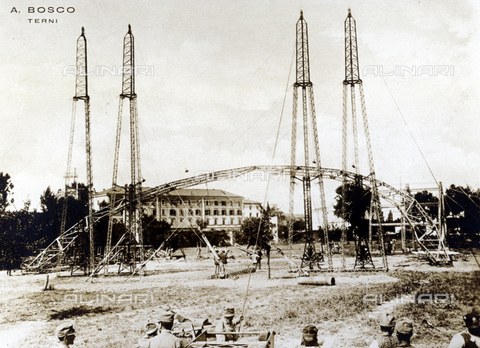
216 75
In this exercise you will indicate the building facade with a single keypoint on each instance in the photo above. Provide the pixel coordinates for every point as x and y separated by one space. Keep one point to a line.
185 208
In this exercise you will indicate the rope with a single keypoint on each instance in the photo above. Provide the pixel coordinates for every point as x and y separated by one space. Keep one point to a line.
268 183
458 225
404 121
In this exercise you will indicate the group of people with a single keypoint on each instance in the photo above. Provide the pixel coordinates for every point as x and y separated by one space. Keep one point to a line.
394 334
399 334
158 334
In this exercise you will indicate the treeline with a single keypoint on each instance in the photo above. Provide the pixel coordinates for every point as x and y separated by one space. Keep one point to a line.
23 232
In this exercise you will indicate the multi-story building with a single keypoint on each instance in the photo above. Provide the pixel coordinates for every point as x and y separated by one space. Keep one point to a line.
185 208
182 208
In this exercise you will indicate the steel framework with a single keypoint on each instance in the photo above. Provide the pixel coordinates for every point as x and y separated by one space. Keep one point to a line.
352 78
412 211
132 191
310 257
81 93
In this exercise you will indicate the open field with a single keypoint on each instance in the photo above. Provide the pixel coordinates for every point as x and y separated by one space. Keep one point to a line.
111 311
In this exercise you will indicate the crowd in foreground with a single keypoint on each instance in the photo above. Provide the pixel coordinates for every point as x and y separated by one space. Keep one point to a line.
393 333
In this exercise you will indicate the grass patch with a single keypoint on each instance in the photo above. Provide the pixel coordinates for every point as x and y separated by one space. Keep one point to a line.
78 311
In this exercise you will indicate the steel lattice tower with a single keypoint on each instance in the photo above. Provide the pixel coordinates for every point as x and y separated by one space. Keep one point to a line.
352 78
310 258
81 93
133 191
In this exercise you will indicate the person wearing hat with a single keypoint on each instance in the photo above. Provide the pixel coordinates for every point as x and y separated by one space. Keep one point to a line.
151 330
65 334
309 337
387 326
471 336
404 330
228 324
165 339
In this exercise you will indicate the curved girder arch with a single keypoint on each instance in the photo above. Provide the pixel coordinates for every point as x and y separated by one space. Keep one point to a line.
401 199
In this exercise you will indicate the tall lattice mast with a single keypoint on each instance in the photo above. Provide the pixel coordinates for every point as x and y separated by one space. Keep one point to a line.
132 191
81 93
310 257
352 78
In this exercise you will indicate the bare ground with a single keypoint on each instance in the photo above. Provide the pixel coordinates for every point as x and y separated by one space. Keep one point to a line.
110 311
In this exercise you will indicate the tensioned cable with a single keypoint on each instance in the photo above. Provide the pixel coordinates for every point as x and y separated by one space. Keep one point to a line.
268 181
458 225
404 121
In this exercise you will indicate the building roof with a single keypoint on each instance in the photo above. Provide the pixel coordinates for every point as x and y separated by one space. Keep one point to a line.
203 193
188 192
249 201
118 190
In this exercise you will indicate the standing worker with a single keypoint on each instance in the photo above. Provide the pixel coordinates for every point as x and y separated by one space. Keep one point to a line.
259 254
471 336
228 324
166 339
255 260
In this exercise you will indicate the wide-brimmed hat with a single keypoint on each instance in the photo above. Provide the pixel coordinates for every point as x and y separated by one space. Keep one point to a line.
150 328
405 326
387 320
229 312
65 329
166 317
310 331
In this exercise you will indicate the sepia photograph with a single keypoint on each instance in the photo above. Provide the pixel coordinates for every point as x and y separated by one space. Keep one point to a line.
238 173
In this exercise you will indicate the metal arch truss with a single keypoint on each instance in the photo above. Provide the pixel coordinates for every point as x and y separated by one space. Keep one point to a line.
426 231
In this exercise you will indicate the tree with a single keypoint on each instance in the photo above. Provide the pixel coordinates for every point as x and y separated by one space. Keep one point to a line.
462 205
352 203
428 202
6 187
154 231
258 232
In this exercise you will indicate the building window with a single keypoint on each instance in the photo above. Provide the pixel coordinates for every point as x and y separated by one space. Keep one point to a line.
154 212
239 220
163 211
207 212
214 221
215 212
215 203
190 212
181 212
173 212
231 212
198 212
207 221
207 203
163 202
224 203
239 212
231 221
224 212
172 221
223 221
250 214
257 214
